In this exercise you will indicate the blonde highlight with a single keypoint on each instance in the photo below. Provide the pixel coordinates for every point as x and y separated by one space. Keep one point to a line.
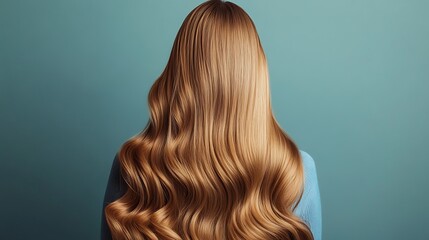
212 161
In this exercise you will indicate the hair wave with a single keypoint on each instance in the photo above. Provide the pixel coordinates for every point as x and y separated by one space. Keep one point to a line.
212 161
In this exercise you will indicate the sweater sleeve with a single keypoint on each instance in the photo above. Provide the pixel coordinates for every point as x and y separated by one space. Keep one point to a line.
309 208
115 189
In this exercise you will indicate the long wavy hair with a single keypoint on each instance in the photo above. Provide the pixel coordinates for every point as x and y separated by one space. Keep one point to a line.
212 161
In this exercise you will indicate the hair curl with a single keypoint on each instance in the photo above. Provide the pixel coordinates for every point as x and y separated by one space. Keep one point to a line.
212 161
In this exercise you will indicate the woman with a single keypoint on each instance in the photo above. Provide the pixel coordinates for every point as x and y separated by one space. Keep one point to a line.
212 161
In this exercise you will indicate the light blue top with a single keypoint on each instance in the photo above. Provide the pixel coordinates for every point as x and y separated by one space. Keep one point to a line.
309 208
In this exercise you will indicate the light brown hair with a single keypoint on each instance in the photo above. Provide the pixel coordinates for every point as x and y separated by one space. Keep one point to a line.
212 161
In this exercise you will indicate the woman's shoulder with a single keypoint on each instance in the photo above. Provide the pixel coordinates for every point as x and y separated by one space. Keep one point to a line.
307 160
310 171
309 208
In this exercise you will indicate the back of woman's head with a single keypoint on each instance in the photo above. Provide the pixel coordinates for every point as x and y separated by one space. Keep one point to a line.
212 161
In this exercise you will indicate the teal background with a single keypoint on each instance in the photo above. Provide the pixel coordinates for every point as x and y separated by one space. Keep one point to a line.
349 83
